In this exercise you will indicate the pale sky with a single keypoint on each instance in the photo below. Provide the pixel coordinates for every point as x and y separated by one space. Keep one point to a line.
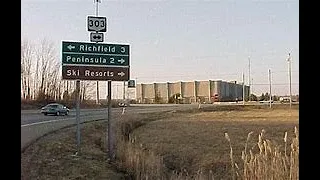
183 40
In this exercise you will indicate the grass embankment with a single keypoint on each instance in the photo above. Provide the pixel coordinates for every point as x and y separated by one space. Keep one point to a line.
53 155
212 143
195 145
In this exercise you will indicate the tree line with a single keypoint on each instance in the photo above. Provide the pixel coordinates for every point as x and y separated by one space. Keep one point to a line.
266 97
41 75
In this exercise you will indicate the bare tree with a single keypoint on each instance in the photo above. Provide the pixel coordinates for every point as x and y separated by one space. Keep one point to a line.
53 82
87 89
46 69
42 67
26 63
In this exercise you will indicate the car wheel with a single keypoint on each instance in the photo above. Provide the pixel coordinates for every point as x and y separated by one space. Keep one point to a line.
57 113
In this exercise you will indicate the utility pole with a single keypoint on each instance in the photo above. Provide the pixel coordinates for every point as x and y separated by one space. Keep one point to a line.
243 93
249 82
97 81
270 95
78 114
128 92
289 67
111 133
97 1
124 90
136 92
97 101
124 96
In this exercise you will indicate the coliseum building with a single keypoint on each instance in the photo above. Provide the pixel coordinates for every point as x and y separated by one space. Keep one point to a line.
191 92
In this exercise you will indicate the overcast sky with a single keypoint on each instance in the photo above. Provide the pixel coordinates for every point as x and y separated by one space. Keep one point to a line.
183 40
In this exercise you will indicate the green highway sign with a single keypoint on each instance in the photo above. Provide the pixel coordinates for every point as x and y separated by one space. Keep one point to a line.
94 59
131 84
95 53
95 48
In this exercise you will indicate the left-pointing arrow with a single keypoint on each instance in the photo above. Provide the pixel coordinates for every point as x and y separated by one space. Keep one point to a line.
70 47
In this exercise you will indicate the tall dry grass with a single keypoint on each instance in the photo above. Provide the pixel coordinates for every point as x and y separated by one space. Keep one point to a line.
134 158
139 162
270 162
265 160
142 164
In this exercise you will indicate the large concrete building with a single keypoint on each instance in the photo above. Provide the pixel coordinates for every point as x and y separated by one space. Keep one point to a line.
191 92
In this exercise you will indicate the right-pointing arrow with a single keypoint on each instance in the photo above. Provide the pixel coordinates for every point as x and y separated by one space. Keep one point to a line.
121 60
121 74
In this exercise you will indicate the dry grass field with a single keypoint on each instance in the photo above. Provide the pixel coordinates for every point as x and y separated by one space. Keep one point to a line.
194 145
210 143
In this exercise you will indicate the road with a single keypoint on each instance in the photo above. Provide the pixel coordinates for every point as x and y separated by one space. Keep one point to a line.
34 124
34 117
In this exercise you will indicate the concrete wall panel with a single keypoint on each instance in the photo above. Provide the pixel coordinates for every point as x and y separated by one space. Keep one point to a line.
174 88
148 91
188 89
202 88
227 90
162 90
138 91
217 87
222 90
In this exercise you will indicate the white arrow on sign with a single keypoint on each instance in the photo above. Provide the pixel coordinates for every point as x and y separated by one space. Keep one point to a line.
121 60
70 47
96 37
121 74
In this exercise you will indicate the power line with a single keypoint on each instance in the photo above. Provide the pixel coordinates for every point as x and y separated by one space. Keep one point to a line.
206 74
275 84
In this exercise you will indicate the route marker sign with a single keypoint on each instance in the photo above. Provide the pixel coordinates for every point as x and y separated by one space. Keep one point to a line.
96 37
95 61
97 24
131 84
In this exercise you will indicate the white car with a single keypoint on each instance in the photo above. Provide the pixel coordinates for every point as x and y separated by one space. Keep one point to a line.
121 104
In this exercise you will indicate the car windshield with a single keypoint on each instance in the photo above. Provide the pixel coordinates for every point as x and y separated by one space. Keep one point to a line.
52 106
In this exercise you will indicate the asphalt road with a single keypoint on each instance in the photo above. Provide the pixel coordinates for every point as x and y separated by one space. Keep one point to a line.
34 124
34 117
29 117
